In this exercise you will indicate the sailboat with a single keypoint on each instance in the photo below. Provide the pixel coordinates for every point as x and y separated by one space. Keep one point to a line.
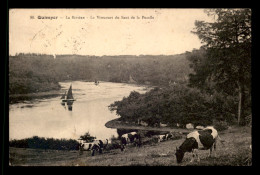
68 97
96 82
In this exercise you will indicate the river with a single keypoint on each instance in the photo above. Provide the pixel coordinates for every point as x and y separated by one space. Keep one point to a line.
48 118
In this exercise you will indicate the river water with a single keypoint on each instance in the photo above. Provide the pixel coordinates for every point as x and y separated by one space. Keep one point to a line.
48 118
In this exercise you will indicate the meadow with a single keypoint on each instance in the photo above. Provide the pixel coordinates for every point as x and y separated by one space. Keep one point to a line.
236 151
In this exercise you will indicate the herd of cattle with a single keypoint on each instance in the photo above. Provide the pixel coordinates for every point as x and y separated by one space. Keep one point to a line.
200 139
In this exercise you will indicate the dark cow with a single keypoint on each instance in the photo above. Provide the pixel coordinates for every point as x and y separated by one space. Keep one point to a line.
169 136
123 143
198 140
138 140
132 136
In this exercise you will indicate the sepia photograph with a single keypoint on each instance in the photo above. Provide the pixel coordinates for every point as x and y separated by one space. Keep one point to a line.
130 87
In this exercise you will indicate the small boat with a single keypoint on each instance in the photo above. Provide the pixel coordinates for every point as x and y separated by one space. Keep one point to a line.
96 82
68 97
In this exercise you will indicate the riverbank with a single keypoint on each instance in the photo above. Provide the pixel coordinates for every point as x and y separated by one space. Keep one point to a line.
116 124
15 98
236 151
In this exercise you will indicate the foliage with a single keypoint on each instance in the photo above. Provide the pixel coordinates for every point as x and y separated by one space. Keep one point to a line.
35 73
45 143
221 125
224 64
175 104
87 137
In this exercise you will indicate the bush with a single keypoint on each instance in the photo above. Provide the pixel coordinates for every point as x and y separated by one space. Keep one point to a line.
45 143
221 125
87 137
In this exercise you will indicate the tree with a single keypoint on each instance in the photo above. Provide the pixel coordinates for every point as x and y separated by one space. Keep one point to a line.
227 59
87 137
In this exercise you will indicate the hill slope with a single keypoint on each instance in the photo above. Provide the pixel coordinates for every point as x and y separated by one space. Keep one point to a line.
235 151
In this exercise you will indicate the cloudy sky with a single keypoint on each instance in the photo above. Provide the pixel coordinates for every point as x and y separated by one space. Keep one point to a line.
80 31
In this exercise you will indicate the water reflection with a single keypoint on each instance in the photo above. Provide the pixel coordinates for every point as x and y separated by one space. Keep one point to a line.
69 104
53 119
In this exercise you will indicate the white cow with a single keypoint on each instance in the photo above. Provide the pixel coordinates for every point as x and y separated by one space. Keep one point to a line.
125 136
96 145
162 137
189 126
205 139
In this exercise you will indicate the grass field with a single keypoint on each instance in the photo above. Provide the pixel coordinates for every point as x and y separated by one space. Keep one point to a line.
236 151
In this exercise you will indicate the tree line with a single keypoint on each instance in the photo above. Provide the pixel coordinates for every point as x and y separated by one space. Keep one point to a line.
36 73
218 89
45 143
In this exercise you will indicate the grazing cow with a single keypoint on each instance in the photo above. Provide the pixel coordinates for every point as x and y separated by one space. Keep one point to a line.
162 137
124 141
128 138
96 145
125 136
132 136
198 140
169 135
138 140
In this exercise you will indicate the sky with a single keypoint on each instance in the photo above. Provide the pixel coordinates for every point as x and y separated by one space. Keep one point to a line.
98 31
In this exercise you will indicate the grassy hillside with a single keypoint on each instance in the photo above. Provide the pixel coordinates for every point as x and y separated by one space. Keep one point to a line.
235 151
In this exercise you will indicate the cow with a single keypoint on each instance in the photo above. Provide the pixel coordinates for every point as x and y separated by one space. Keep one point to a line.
124 141
160 138
163 137
198 140
170 135
138 140
132 136
96 145
128 138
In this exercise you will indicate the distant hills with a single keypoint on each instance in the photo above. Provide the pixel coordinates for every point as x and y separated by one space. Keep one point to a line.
38 72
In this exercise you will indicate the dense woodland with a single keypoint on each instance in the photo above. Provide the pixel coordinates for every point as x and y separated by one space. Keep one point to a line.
36 73
219 88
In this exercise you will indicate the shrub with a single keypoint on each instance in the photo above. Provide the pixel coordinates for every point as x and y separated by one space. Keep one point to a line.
87 137
220 125
45 143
